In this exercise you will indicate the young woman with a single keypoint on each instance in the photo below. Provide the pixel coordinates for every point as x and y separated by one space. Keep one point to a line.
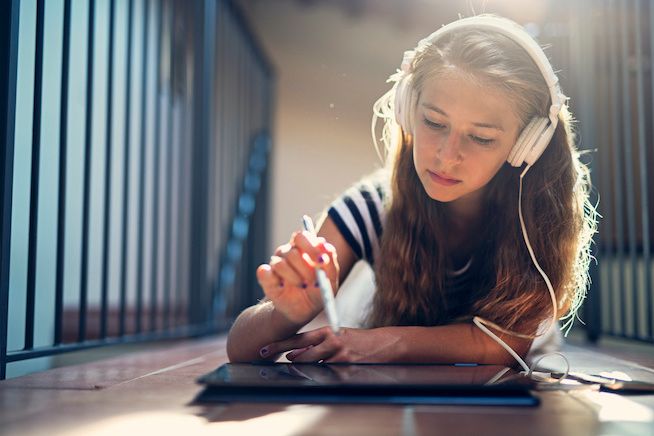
473 257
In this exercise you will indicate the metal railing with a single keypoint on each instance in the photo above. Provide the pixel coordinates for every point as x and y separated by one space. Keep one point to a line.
624 48
607 47
134 171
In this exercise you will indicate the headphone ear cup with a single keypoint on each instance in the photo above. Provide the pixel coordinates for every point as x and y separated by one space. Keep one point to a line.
541 143
527 141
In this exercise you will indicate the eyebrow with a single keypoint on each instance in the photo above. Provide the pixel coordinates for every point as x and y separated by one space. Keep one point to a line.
442 112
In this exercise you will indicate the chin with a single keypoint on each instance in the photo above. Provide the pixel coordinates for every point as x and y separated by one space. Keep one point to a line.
440 194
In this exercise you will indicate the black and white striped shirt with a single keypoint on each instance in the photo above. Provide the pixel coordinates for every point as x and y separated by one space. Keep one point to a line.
359 214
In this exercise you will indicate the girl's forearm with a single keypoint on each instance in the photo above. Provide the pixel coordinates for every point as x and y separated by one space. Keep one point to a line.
256 327
455 343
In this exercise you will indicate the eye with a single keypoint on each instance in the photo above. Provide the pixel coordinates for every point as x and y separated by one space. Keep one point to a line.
481 141
433 124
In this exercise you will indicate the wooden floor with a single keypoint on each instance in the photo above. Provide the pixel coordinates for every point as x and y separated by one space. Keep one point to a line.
150 393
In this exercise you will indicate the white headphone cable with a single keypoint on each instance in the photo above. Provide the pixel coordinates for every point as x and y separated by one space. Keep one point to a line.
482 323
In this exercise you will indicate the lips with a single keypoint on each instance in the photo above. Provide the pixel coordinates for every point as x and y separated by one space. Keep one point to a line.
442 179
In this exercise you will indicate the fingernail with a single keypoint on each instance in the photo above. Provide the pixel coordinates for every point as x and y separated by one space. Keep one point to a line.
264 352
293 354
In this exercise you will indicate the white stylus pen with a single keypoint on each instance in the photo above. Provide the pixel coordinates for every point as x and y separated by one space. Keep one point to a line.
324 284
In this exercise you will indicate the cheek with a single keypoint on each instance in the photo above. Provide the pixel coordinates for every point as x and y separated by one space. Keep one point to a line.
421 155
485 173
424 146
417 158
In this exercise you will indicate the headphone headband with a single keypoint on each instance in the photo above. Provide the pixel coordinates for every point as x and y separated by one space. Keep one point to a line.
518 35
539 130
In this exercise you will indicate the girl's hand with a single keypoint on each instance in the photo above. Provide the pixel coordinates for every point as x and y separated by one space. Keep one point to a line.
289 280
350 345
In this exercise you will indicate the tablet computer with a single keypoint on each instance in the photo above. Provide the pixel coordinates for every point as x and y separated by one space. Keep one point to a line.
467 384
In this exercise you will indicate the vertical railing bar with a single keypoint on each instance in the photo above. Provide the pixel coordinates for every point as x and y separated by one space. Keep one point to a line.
8 69
141 225
107 176
34 183
223 149
81 332
126 166
611 208
230 139
642 157
247 144
63 152
628 142
213 195
183 196
182 147
587 53
617 171
256 135
210 80
226 168
202 106
179 189
169 167
210 199
154 282
606 234
218 161
648 290
241 146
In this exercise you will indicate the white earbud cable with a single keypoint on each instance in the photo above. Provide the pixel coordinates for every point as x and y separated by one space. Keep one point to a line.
482 323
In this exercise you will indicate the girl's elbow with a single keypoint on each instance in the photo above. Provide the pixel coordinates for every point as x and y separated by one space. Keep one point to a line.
235 354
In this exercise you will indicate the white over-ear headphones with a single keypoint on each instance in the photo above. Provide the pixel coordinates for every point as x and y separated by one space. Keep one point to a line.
539 131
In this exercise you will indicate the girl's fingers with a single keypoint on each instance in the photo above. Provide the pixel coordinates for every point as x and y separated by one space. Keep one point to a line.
302 265
309 354
295 353
295 263
271 283
282 250
326 350
310 244
298 341
285 271
265 276
321 253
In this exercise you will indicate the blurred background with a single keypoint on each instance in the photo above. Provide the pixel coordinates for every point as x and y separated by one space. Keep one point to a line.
157 151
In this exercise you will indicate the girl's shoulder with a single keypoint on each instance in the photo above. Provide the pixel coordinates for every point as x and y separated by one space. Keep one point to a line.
377 184
359 213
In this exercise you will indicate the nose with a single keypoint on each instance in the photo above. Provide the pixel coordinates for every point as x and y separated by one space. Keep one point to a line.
450 149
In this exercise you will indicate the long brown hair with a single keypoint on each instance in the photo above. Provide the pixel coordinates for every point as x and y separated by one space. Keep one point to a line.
560 221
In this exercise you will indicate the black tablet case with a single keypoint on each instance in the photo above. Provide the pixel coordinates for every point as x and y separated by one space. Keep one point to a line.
366 384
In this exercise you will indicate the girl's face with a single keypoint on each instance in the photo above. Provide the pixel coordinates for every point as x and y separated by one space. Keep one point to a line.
463 133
